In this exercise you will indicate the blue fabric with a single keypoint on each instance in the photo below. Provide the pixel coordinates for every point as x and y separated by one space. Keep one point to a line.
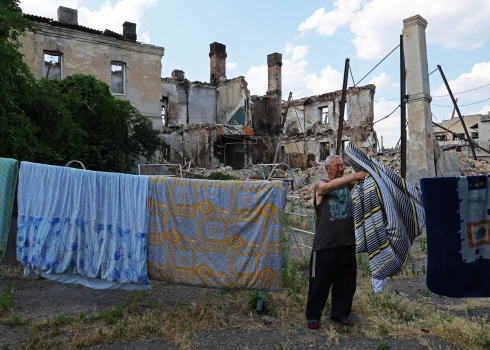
458 240
80 226
9 170
216 234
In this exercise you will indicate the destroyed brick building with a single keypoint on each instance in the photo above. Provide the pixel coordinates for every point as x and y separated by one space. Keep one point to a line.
219 123
61 48
312 125
211 123
207 123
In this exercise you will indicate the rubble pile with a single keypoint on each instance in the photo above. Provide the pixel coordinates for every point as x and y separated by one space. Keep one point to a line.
469 166
306 178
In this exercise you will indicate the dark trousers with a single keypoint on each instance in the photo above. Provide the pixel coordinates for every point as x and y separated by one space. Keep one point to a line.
336 268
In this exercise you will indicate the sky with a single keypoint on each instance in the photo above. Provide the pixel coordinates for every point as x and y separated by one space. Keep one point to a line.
314 37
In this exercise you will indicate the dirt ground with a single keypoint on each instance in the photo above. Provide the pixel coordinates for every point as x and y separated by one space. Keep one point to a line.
47 314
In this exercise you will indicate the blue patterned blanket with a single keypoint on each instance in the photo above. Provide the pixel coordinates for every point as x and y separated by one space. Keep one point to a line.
8 179
458 238
80 226
218 234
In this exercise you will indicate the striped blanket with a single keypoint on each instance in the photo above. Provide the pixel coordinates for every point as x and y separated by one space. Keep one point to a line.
388 214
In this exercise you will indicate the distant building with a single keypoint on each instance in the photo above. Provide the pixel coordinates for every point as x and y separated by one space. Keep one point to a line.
132 69
458 136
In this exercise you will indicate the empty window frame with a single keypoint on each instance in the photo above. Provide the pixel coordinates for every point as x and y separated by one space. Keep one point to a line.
165 111
53 66
323 115
118 78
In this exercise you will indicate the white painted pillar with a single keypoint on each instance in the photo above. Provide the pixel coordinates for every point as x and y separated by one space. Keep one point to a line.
420 145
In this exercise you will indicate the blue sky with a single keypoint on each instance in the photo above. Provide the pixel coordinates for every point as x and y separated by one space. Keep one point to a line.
314 37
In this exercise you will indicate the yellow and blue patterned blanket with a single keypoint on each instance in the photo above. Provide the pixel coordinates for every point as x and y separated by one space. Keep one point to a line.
8 179
217 234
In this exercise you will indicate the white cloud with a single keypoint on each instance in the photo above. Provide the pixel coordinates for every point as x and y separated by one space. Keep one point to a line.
396 85
389 128
478 76
381 81
231 65
329 80
451 23
256 78
326 23
108 16
296 53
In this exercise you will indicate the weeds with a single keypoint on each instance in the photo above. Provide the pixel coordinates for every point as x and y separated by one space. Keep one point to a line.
363 264
423 244
383 345
62 320
7 299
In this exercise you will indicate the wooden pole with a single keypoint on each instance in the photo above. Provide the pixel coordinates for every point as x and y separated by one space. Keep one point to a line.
342 106
403 113
457 110
282 127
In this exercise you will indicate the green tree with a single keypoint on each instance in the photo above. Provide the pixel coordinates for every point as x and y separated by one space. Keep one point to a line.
16 84
53 122
78 118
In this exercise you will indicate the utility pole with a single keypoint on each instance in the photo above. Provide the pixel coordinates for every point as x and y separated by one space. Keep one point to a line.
403 112
459 113
342 106
282 127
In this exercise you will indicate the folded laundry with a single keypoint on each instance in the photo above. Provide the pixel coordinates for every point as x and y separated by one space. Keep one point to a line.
8 179
458 238
80 226
388 214
218 234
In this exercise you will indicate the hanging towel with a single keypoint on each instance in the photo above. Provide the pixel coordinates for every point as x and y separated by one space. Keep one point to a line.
9 170
80 226
217 234
458 238
388 214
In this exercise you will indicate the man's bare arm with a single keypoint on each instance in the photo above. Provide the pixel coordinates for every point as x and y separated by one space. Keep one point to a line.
322 188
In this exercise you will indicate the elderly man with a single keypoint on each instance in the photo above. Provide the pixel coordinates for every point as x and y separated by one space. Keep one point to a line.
333 258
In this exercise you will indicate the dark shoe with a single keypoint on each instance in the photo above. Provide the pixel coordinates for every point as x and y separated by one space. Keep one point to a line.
313 324
344 321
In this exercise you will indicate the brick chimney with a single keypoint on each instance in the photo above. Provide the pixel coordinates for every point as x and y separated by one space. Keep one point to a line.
274 64
178 75
217 53
129 31
67 15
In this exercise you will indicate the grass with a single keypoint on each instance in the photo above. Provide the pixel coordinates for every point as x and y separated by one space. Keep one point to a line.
7 299
381 316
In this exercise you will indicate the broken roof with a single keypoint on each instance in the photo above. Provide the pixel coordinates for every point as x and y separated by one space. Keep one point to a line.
327 96
107 32
471 122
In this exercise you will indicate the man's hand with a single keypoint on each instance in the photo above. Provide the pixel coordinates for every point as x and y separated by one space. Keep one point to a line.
361 175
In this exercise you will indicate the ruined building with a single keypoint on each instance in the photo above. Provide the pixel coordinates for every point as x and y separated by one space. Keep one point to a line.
219 123
132 69
312 124
211 123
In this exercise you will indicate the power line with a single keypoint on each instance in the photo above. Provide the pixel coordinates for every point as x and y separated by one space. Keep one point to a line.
438 96
468 104
387 115
433 71
463 92
377 64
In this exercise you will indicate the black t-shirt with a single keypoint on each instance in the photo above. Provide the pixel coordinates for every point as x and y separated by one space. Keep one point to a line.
334 220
